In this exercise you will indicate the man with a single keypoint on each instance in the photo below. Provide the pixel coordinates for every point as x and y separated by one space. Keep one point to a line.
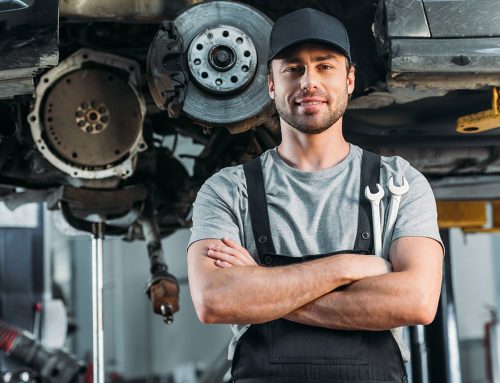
323 311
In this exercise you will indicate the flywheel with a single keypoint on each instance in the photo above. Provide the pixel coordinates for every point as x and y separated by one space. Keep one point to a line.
88 115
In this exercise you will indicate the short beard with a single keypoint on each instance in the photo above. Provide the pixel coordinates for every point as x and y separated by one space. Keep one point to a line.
295 122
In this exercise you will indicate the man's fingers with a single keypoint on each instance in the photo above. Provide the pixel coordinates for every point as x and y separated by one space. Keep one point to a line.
222 264
231 251
234 245
233 260
242 252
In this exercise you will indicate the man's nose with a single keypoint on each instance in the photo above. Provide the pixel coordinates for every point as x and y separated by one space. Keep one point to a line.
309 79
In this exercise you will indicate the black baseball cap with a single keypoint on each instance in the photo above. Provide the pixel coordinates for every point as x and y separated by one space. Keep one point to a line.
308 24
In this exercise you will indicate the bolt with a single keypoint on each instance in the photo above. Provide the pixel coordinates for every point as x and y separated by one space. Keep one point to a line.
461 60
222 58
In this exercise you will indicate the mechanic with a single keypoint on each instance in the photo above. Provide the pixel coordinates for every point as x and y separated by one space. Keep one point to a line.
327 310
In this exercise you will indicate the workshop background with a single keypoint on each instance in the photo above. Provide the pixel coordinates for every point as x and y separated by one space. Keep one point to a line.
100 103
139 347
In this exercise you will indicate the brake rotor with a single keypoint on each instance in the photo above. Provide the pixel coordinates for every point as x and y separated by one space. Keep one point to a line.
91 117
222 59
225 45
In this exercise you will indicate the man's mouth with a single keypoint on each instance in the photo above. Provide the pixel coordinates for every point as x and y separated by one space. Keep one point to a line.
311 103
310 106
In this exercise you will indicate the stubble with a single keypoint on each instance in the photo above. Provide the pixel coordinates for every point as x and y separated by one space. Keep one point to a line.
303 124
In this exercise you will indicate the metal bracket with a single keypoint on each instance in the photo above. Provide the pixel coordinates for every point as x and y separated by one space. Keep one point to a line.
167 81
117 209
482 121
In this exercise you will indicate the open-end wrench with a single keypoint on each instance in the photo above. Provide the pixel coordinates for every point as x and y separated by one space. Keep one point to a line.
374 199
397 192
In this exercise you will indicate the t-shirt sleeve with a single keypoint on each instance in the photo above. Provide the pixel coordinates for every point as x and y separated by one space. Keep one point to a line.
214 215
417 215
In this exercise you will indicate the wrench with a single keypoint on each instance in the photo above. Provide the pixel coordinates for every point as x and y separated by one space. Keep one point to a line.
397 192
374 199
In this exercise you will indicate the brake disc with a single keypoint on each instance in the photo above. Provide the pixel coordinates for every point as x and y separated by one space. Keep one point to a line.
88 115
225 46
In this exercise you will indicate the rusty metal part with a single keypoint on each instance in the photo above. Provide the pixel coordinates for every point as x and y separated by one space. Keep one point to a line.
164 294
91 118
443 81
28 43
115 209
253 99
465 55
482 121
222 98
101 202
163 288
88 114
124 10
408 87
167 80
222 59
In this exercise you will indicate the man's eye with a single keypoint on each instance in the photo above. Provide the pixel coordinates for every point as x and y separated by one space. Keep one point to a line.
292 69
326 66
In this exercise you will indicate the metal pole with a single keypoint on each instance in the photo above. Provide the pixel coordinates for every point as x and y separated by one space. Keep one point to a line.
442 334
97 318
419 358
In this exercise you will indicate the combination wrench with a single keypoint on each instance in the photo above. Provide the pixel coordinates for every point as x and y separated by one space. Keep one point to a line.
397 192
374 199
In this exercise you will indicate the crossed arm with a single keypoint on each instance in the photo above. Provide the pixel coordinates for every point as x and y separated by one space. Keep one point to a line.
229 287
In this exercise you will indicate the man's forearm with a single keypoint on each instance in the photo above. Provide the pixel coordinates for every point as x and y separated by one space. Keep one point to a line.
254 294
376 303
260 294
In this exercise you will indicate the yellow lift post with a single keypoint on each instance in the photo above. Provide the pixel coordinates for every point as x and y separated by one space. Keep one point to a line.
470 216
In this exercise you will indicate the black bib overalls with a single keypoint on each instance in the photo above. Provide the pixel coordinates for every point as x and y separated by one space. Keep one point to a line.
284 351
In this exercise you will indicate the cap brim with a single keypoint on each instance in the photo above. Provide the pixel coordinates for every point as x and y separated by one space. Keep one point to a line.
304 40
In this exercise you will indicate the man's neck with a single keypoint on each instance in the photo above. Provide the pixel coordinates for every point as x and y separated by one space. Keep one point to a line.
313 152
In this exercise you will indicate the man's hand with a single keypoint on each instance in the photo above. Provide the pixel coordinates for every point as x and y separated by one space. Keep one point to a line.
407 296
229 254
229 292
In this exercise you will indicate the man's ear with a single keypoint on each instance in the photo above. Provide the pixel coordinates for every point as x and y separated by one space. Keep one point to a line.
270 85
351 79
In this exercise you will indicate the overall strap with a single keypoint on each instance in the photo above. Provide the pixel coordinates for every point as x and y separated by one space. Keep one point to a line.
257 205
369 176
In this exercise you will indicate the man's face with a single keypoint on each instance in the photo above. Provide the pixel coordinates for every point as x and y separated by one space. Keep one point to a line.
310 85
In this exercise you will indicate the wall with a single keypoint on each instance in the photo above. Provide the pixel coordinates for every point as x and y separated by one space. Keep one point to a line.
475 277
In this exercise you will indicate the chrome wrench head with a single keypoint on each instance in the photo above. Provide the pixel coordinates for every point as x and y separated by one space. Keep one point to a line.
374 197
398 190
